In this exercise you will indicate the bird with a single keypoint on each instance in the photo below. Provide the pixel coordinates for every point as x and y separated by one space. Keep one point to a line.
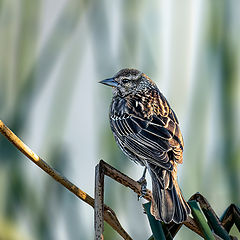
147 130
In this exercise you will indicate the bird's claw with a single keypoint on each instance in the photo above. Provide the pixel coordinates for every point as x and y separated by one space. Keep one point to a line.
142 181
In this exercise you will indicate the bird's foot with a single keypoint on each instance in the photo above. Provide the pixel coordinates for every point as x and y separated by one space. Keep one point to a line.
142 181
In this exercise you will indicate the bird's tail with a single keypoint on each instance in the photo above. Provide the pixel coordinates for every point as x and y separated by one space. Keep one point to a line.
168 203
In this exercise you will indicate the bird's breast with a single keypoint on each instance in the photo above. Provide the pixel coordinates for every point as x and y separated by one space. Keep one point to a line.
118 107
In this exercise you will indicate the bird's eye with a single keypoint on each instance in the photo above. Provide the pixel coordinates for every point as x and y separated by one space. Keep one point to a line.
125 80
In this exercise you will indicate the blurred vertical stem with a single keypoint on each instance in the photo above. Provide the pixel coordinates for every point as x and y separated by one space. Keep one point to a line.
43 64
25 52
225 53
228 80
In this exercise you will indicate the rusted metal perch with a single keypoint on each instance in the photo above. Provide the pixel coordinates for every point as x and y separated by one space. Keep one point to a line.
105 169
220 228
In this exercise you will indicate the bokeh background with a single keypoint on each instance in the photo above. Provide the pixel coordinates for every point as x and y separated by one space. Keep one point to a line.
52 55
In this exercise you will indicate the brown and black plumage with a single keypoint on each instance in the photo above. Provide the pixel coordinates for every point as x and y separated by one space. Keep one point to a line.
147 130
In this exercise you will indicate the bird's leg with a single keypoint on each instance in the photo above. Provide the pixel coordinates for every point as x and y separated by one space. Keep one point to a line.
142 181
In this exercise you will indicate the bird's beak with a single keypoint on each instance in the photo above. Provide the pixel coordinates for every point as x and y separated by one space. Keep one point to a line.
109 82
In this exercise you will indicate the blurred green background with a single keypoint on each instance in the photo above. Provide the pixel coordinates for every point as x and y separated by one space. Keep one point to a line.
52 55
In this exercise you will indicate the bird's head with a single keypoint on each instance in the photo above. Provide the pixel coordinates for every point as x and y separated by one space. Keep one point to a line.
129 81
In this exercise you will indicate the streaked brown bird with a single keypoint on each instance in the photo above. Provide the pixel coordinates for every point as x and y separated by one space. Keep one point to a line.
147 130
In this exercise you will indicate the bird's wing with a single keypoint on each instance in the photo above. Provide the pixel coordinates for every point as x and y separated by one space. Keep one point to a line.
156 139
